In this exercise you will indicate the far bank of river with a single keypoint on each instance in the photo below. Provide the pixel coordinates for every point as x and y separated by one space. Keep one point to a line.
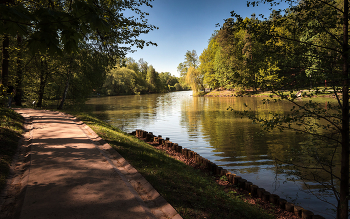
204 125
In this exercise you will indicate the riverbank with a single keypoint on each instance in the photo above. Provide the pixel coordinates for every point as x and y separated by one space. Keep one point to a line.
230 93
204 125
192 193
192 190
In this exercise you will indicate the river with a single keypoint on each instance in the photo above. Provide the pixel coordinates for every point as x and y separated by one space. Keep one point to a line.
204 125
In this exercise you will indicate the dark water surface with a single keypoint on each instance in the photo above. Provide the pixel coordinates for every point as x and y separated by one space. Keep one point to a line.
204 125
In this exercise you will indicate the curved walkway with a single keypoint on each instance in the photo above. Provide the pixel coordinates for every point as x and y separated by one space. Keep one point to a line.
70 172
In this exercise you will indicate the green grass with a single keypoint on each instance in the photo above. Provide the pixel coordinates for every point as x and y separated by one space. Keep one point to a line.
11 128
193 193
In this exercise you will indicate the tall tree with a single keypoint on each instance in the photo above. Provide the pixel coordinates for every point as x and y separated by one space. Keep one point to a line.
60 28
120 80
324 27
152 79
43 77
191 60
228 63
195 79
5 45
63 24
143 66
19 72
5 60
207 59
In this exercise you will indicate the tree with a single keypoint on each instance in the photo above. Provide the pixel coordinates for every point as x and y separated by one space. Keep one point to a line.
152 79
88 73
191 60
143 66
64 24
132 64
195 79
59 28
44 74
127 77
168 81
320 28
240 54
178 87
228 61
5 60
120 80
19 72
207 62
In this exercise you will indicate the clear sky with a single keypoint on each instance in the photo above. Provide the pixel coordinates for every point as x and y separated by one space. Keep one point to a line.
187 25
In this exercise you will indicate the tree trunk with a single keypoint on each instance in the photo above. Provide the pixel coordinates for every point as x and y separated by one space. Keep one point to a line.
5 52
344 182
5 60
43 78
19 90
64 94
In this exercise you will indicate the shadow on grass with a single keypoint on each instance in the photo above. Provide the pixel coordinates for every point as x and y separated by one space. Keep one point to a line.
11 126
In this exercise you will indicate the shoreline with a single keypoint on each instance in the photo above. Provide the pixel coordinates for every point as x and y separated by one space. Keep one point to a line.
228 93
192 192
228 181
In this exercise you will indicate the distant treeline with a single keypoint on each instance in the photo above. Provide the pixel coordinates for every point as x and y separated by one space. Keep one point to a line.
131 77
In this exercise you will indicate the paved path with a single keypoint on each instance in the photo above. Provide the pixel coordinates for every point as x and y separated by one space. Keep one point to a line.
74 174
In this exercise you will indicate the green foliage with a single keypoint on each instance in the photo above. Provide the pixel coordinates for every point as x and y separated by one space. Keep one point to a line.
237 57
223 178
191 60
168 81
59 27
306 48
152 78
120 81
207 63
194 78
61 50
189 73
178 87
137 78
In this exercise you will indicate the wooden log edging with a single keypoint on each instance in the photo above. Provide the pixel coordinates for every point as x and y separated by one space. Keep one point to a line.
254 190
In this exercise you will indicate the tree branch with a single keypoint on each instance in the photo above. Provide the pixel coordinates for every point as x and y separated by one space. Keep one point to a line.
336 95
310 44
326 3
307 110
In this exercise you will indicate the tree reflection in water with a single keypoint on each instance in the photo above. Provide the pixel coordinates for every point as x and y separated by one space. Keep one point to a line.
204 125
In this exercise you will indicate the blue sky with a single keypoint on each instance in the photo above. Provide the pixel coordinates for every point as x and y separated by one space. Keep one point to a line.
186 25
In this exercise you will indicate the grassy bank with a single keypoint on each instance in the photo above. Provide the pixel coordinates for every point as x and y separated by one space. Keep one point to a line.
11 128
194 194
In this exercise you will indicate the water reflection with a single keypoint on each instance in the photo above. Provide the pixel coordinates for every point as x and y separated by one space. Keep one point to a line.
206 126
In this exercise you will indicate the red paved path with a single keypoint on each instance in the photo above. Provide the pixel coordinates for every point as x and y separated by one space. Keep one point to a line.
75 174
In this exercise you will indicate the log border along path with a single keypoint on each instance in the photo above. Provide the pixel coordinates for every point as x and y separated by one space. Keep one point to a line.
65 170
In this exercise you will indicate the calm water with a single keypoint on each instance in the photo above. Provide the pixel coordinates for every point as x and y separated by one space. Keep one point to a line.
204 125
